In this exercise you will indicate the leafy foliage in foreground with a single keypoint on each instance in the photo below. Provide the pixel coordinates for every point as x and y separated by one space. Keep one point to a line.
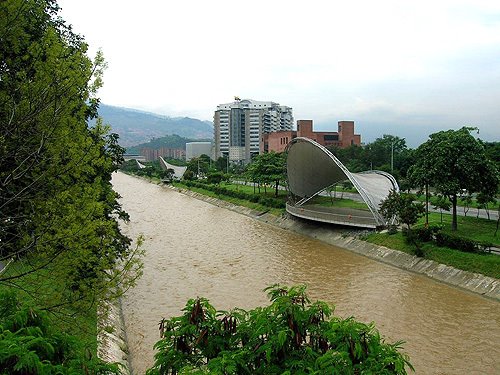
56 199
290 336
29 344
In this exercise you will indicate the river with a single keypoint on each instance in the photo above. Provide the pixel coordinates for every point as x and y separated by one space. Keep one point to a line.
195 249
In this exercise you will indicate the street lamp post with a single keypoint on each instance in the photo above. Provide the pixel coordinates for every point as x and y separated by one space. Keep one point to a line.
392 156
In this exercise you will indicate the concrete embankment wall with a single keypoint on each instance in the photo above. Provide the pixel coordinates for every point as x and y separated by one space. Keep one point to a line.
473 282
111 336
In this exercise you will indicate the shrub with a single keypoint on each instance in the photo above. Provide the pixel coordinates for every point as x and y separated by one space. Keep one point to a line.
271 202
291 335
427 234
456 242
29 344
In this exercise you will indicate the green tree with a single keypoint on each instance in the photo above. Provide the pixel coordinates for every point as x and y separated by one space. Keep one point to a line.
222 164
442 203
353 157
57 205
483 201
492 150
384 152
466 202
268 168
289 336
199 166
167 175
216 177
403 206
451 161
407 210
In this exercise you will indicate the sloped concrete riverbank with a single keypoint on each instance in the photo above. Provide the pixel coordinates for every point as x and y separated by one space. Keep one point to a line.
111 336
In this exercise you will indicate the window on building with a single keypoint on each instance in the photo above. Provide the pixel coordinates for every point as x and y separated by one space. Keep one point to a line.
331 137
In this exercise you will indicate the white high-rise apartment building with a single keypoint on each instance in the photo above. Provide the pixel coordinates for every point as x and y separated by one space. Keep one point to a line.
238 127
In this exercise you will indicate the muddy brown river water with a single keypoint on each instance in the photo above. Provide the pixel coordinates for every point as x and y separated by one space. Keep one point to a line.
196 249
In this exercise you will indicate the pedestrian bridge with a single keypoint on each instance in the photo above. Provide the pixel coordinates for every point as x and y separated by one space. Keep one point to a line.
311 169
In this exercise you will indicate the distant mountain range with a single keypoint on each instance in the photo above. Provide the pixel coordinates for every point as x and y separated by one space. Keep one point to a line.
135 127
168 141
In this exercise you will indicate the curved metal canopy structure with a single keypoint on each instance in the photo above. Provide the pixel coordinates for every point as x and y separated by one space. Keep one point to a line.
178 171
311 168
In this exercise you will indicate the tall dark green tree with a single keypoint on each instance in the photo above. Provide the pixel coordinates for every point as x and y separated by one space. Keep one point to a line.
57 205
451 161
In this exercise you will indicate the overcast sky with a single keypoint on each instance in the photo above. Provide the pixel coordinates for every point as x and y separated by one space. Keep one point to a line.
406 68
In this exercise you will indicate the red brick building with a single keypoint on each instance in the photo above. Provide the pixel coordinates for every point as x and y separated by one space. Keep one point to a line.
343 137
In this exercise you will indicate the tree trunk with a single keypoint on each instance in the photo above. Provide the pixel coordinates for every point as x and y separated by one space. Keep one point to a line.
277 184
498 220
453 200
426 205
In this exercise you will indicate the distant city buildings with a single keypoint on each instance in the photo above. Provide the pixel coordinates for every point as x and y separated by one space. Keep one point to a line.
343 137
153 154
245 128
196 149
240 125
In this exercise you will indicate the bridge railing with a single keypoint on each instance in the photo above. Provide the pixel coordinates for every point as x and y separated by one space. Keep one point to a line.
345 218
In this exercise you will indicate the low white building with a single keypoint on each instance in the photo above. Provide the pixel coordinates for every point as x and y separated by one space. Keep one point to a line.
196 149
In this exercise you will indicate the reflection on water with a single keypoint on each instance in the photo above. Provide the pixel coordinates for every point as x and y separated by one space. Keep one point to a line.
196 249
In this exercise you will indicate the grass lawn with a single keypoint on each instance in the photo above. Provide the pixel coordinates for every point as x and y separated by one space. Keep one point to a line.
486 264
338 202
468 227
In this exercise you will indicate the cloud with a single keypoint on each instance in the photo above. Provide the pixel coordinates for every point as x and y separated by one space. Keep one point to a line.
387 62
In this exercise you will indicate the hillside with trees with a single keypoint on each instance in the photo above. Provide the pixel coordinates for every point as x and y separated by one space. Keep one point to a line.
135 127
168 141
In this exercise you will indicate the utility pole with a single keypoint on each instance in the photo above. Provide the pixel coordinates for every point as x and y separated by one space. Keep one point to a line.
392 156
